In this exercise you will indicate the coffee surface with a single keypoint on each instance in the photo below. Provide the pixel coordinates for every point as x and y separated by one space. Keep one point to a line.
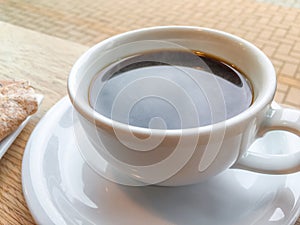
170 89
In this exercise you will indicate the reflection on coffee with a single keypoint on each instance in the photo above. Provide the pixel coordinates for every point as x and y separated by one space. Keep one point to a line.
170 89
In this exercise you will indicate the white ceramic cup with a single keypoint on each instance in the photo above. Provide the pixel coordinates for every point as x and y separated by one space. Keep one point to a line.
184 156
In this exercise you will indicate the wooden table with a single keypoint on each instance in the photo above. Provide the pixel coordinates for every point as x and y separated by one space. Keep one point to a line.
45 61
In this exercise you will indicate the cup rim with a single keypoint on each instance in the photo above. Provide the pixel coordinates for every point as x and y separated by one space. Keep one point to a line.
86 110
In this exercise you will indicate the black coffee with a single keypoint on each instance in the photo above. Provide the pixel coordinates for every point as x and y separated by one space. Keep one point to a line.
170 89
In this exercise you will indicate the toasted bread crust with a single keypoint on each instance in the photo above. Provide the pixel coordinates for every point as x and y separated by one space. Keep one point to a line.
17 102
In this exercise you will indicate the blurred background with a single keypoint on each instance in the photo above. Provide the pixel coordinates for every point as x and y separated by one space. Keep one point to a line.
272 25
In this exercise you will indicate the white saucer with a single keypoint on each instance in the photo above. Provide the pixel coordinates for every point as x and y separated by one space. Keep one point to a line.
60 188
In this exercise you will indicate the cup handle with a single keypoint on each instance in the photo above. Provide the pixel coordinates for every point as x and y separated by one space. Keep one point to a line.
276 119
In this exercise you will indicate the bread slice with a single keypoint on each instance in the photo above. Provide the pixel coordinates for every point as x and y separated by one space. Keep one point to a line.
17 102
